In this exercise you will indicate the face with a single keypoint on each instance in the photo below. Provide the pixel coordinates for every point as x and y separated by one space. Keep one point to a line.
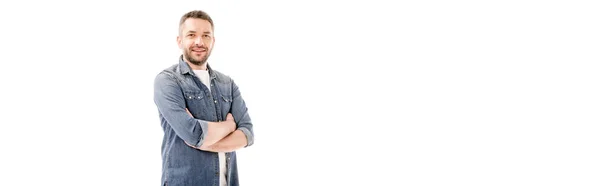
196 40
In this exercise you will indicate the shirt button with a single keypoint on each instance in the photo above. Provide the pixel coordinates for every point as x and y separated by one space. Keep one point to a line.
215 101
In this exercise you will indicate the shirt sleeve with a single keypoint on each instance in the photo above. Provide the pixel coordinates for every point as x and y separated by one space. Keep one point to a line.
241 116
170 102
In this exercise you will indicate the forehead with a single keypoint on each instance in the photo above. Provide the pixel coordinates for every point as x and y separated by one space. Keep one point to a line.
197 25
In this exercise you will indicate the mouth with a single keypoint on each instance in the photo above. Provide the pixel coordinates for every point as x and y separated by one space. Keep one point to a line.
199 50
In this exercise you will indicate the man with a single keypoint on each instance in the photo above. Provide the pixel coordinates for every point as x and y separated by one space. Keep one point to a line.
202 113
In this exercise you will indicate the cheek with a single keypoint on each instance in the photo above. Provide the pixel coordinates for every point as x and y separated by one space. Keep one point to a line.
182 44
186 45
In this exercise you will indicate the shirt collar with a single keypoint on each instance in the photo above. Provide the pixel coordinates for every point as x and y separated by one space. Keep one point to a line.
185 68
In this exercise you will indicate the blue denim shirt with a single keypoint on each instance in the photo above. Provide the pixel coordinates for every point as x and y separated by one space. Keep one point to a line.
177 88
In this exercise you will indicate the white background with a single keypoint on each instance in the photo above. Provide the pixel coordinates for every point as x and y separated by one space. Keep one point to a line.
340 93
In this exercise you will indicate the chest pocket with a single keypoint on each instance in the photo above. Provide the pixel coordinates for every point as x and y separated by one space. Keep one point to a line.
195 102
226 100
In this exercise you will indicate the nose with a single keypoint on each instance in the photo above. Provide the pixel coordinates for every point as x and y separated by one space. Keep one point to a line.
198 41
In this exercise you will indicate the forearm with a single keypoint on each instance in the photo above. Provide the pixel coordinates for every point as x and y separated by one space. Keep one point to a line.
235 140
217 131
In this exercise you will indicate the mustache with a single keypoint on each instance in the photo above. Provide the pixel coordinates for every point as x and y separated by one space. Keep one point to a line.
197 47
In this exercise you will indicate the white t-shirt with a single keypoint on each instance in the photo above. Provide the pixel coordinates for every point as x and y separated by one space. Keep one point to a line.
205 79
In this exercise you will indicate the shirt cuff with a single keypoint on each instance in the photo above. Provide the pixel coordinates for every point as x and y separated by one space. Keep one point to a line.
204 128
249 136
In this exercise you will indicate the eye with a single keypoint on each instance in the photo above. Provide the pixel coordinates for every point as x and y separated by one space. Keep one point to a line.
207 36
191 35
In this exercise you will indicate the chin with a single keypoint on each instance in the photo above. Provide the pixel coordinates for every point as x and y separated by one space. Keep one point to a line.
199 59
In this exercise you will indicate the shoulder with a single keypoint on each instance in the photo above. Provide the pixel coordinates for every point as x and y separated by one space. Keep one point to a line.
221 77
168 74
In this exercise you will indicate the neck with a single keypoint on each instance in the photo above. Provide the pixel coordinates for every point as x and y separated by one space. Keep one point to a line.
197 67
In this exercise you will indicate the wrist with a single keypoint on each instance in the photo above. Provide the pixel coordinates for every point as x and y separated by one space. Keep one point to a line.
232 126
228 125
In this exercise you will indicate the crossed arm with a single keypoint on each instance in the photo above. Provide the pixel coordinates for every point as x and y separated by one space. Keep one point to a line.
224 136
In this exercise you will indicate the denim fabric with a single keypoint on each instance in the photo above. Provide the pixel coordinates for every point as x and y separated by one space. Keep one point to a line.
177 88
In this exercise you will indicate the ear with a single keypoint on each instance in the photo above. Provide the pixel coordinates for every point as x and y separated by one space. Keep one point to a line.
179 42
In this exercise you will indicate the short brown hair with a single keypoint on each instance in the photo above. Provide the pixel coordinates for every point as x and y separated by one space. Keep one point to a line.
197 14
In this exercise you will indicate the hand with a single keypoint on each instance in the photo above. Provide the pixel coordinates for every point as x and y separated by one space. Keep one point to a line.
230 121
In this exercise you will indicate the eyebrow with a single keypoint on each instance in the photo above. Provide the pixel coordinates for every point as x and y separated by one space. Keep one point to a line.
193 32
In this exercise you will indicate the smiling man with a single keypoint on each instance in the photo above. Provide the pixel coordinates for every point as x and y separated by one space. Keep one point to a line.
202 113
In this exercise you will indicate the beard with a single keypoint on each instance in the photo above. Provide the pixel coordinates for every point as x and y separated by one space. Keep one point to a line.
196 60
